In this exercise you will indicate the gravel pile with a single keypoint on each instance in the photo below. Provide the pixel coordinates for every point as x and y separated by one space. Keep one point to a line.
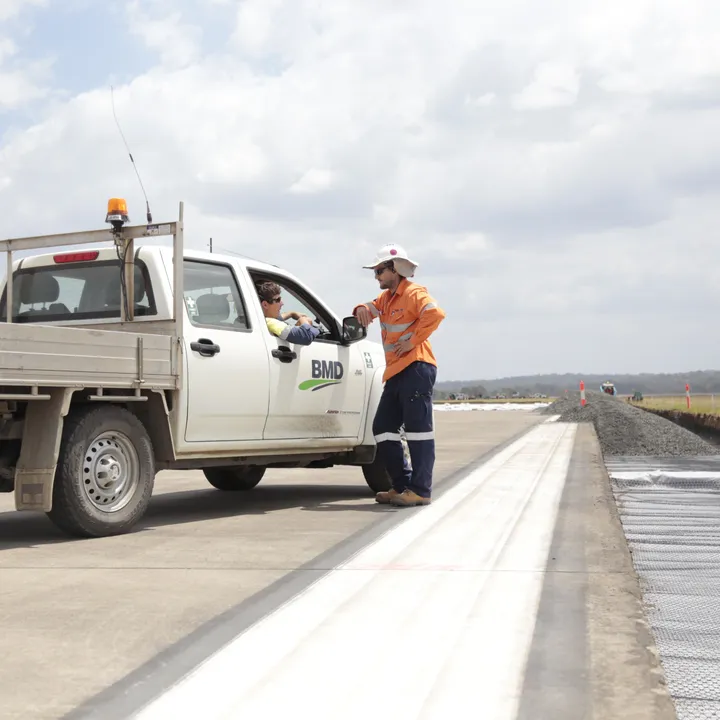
625 430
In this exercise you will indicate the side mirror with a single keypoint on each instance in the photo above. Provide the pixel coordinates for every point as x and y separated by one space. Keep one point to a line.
352 330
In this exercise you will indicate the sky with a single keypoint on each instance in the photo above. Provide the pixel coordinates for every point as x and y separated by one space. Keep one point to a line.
553 167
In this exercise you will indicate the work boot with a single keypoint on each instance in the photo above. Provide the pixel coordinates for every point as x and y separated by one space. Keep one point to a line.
385 498
408 498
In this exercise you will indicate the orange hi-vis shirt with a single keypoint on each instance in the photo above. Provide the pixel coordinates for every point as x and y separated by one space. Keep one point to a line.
412 313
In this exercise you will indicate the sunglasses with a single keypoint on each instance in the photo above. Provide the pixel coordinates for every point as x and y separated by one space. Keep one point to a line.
379 271
274 300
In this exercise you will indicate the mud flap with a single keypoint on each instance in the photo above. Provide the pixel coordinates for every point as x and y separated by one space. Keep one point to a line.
35 471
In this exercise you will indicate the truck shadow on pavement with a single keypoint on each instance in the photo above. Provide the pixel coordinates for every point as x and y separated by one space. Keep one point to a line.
194 505
26 530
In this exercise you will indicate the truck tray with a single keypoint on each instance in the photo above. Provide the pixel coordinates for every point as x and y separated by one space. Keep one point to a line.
62 356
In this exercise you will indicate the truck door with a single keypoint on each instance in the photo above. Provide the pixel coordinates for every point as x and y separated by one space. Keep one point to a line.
317 390
227 360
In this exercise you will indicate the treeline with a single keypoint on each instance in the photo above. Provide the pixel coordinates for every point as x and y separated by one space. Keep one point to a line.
700 381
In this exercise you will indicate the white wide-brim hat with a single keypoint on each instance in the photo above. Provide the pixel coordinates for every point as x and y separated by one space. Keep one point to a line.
403 264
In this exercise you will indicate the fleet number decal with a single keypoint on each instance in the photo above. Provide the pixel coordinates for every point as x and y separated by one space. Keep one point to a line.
324 374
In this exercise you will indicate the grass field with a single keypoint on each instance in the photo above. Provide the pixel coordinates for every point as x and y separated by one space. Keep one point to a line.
703 404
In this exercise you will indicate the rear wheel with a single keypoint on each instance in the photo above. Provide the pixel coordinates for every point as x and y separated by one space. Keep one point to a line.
231 479
105 473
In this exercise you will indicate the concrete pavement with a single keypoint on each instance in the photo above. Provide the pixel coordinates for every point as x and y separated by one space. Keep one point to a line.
79 616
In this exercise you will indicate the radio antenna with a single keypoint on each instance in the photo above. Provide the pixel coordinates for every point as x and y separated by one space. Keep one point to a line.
132 160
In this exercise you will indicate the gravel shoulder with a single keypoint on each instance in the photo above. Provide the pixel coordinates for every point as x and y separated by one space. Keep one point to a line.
626 430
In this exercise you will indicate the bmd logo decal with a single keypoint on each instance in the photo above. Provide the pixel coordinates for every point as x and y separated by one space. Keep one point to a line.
324 374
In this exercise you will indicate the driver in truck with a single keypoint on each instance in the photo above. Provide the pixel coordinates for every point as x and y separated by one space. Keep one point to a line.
303 333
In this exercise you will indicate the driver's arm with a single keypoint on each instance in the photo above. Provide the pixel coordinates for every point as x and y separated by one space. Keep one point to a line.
303 333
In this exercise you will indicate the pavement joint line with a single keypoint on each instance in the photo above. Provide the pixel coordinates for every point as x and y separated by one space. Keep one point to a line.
147 682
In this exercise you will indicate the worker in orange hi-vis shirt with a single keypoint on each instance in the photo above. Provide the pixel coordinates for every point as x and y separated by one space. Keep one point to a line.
408 316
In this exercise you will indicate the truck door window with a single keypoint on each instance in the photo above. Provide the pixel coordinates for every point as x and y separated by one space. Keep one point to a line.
295 299
212 296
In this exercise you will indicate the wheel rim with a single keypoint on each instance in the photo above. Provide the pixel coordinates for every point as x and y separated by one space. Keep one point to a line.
110 472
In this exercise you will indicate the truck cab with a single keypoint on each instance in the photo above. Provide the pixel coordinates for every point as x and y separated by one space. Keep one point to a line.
97 339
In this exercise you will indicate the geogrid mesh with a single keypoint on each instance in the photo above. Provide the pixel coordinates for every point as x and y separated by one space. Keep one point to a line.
670 512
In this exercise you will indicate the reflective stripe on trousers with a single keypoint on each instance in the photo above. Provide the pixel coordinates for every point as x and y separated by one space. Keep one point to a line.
407 400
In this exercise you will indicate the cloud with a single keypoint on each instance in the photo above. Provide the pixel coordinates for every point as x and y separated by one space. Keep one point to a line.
10 9
554 168
315 180
21 80
161 27
554 85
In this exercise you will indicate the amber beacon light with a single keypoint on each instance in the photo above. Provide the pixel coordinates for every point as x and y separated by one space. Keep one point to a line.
117 213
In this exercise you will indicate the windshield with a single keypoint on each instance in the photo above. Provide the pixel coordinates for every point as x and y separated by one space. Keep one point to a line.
75 291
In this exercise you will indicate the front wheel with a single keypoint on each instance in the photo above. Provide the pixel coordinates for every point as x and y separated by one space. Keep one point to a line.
232 479
105 473
376 476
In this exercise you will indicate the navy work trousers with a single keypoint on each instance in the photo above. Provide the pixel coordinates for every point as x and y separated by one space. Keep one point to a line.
407 400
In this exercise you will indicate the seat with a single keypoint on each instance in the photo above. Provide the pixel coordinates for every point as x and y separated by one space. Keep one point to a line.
36 288
212 309
58 308
113 296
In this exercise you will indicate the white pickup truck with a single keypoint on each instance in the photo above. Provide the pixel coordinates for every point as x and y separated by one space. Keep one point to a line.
97 394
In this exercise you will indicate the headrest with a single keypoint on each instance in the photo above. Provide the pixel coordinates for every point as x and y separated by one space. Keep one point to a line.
112 292
215 305
39 288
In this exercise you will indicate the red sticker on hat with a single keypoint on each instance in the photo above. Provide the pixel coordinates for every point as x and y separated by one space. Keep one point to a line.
393 252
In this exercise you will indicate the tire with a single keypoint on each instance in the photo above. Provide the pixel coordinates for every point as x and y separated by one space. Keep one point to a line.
105 473
230 479
376 476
